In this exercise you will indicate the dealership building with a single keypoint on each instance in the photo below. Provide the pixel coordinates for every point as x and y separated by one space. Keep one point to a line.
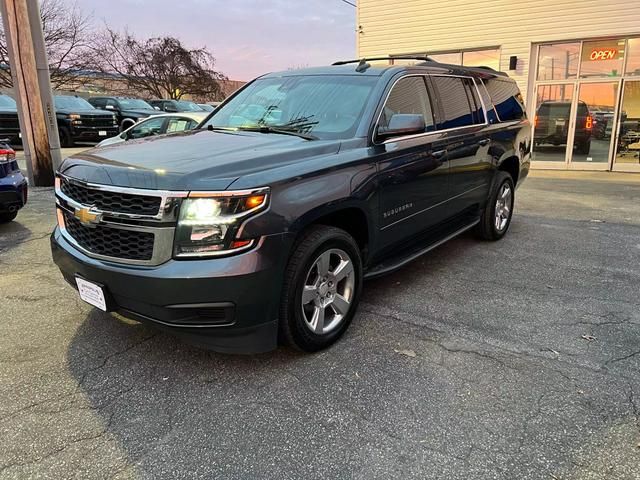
577 64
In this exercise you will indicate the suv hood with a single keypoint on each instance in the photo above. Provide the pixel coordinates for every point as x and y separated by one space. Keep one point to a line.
196 160
85 113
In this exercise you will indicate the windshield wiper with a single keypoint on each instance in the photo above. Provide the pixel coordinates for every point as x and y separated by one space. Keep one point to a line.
284 130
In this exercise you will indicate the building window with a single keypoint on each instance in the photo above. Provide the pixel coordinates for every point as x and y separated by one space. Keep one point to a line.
633 56
482 58
469 58
602 58
558 61
454 58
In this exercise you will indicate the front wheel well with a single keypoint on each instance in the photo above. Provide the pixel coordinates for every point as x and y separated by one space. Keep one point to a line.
512 166
351 220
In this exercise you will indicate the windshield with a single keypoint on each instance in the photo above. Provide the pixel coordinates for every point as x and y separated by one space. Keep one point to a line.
326 106
63 102
7 102
131 103
184 106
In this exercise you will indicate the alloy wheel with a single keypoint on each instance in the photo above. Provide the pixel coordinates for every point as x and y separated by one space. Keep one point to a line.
504 204
328 291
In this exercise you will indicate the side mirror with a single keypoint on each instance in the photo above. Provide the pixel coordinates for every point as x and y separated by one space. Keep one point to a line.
403 124
109 107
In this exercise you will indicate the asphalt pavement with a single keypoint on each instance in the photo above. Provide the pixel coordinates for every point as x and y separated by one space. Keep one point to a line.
511 360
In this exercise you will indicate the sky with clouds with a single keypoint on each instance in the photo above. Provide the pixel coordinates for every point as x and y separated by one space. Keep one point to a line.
247 37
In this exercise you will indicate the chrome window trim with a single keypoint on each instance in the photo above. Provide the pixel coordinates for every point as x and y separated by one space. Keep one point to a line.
418 135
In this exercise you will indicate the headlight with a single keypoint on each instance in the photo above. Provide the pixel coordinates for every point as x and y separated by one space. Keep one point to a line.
74 116
208 224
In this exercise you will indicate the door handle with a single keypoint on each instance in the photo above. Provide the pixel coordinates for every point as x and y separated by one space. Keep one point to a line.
484 142
439 154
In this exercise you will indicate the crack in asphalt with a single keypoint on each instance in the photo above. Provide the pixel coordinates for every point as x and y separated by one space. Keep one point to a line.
508 352
77 388
61 449
620 359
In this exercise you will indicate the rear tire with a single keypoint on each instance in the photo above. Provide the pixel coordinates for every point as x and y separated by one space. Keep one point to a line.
496 217
584 148
321 290
7 217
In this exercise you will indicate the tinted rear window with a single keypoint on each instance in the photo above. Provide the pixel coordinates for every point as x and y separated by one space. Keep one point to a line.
454 101
506 99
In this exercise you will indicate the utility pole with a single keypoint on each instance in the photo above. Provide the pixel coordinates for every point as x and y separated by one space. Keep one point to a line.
30 75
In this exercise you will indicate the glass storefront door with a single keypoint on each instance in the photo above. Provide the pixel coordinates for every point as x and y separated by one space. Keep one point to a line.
551 122
628 134
587 104
593 121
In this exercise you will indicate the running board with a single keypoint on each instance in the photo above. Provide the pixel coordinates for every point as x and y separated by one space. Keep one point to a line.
384 268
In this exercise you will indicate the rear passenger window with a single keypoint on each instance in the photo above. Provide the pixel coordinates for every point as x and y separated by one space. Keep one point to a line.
488 103
506 98
409 95
453 97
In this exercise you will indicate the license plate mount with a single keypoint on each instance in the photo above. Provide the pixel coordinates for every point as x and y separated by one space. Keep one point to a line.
92 293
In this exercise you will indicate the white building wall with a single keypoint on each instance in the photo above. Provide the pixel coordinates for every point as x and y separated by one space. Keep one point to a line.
392 27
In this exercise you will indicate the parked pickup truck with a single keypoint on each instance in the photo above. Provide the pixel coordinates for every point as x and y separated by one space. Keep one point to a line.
79 121
262 224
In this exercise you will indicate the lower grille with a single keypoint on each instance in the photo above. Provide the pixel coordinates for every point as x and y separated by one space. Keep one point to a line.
111 242
98 121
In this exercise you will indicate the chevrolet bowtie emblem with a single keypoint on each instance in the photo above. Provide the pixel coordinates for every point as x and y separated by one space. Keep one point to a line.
86 217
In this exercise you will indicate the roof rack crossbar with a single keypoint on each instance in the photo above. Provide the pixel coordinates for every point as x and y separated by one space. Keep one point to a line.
424 58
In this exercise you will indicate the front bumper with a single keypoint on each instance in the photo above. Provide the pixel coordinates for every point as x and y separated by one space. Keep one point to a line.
225 304
90 133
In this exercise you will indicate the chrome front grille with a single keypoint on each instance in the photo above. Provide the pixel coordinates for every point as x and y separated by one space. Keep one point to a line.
119 224
112 242
111 201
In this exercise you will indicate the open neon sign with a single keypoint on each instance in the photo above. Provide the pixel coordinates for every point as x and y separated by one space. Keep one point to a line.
604 54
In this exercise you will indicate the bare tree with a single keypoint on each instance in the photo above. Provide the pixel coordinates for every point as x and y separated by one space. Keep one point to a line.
67 31
160 66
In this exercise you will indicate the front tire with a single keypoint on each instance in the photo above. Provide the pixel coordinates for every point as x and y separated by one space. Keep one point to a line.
321 290
496 216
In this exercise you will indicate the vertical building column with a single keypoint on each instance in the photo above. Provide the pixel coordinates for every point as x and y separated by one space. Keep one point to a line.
30 74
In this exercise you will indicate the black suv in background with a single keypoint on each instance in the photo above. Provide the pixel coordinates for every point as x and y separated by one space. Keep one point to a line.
262 223
79 121
9 125
128 111
172 106
552 125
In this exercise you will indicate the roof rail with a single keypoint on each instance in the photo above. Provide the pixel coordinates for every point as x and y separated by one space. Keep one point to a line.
424 58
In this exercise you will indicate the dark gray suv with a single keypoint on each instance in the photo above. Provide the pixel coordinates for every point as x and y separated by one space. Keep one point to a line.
262 224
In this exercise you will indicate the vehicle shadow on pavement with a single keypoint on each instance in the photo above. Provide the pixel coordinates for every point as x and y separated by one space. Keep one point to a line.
13 234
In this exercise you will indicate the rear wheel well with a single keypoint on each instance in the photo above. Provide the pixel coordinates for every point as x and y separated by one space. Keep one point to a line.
351 220
512 167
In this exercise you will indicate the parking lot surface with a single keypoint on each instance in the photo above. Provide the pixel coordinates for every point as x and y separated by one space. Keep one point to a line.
511 360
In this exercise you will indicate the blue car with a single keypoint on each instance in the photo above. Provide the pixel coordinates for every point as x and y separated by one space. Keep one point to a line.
13 185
